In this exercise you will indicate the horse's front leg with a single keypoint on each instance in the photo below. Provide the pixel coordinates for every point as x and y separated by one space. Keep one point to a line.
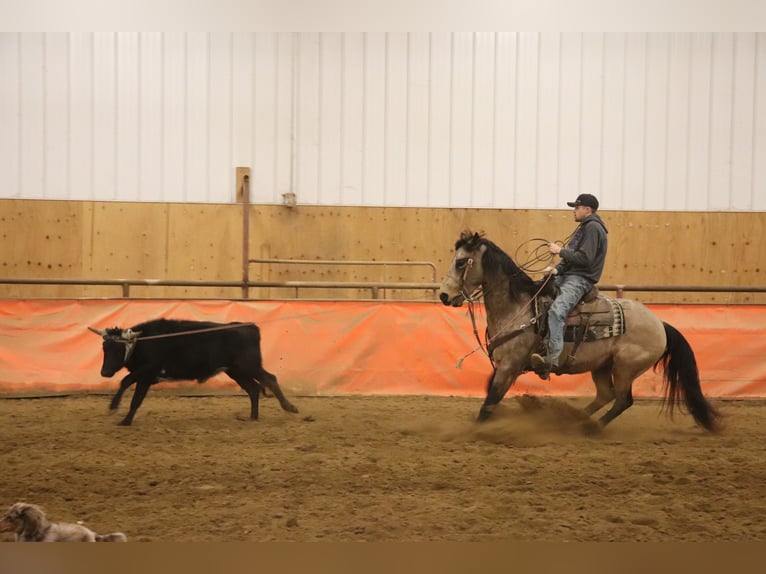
499 383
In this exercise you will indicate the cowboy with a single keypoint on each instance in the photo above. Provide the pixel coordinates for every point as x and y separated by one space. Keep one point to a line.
580 267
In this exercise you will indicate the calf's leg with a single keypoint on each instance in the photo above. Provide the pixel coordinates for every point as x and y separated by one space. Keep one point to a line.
124 386
250 388
142 387
269 381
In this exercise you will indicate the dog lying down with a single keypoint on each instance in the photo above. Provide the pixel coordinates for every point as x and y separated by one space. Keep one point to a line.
29 523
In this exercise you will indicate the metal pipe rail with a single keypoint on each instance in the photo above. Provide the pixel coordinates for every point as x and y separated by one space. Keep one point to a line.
126 284
621 289
373 286
348 263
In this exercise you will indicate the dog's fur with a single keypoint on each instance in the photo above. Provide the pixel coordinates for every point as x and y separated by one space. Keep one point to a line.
29 523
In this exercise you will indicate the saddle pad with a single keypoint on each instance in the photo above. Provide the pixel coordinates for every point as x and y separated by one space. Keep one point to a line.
600 319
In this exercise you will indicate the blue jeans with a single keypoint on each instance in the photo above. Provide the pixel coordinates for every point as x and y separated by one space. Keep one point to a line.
572 288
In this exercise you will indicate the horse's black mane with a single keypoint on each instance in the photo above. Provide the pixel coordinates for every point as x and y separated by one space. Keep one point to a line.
496 258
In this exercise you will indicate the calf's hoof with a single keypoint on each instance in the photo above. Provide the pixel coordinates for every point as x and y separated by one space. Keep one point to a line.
591 428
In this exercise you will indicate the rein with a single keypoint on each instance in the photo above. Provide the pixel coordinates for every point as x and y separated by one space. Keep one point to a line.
491 343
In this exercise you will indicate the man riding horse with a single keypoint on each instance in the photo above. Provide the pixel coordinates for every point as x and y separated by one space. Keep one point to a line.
582 261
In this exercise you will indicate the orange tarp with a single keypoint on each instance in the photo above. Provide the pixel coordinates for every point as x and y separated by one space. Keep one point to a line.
334 348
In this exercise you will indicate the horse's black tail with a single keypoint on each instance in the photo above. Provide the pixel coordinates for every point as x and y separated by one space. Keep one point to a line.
682 381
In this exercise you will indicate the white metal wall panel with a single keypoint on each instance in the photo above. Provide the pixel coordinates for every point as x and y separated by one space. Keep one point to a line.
374 181
758 178
174 116
743 121
676 162
56 115
700 110
220 175
548 122
286 105
80 173
634 151
656 121
719 194
104 117
197 121
10 98
612 127
308 119
504 97
150 117
127 125
330 114
32 115
263 97
243 126
395 120
483 113
352 120
418 117
528 120
439 125
570 106
460 118
592 118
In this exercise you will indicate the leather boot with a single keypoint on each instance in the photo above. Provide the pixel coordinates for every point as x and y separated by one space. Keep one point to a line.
541 365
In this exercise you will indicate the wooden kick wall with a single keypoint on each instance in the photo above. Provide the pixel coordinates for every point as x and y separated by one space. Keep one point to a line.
203 242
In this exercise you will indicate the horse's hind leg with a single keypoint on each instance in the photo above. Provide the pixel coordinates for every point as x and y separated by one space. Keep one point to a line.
623 397
602 377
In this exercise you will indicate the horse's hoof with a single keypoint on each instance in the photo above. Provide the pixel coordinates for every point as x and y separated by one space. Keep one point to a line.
591 428
124 423
483 415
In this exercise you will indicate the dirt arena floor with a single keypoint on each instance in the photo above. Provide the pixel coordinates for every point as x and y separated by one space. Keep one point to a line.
384 469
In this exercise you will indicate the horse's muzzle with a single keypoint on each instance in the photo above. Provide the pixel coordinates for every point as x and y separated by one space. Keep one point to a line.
456 302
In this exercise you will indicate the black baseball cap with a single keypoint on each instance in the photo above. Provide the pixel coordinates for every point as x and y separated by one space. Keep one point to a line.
585 199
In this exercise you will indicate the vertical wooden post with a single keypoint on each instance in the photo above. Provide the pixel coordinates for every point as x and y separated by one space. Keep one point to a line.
243 194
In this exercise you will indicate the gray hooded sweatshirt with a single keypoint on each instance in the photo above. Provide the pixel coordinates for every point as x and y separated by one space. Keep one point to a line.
586 251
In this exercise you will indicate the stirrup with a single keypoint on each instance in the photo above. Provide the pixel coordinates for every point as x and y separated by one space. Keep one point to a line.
541 366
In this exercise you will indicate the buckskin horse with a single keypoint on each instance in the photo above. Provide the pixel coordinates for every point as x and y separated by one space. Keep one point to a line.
632 341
